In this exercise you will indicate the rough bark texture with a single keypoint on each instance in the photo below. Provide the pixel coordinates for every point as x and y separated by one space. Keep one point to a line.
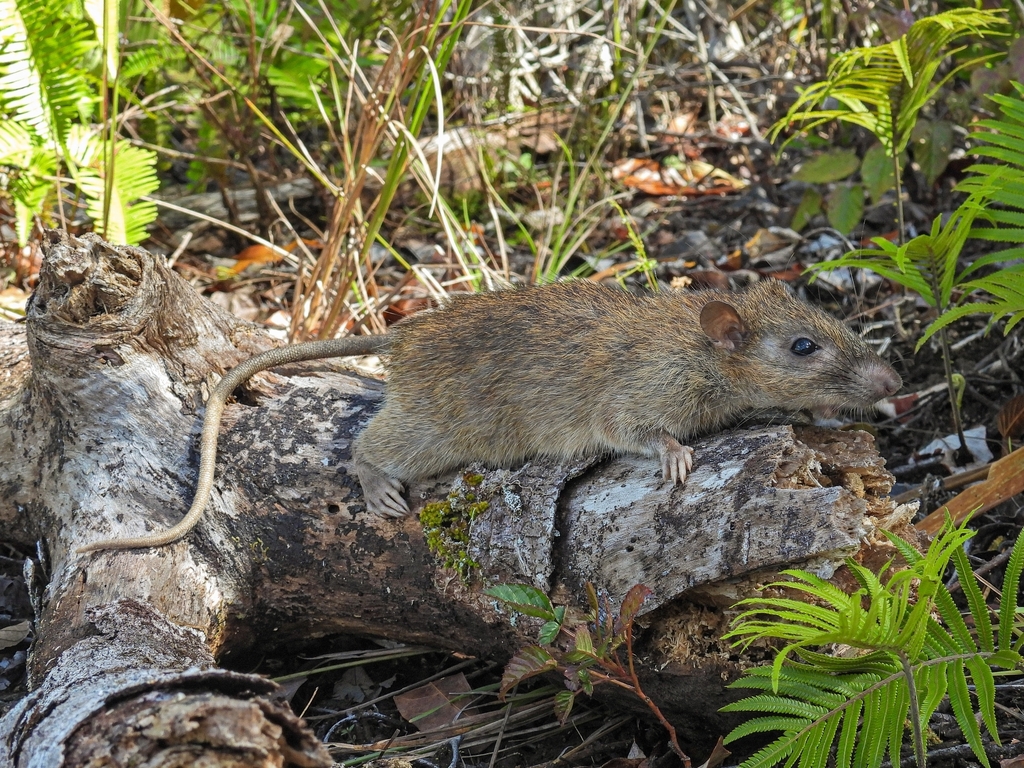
97 440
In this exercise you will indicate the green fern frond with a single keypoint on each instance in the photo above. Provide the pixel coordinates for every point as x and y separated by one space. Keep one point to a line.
1008 607
28 166
858 708
875 84
1006 287
797 677
976 603
37 39
144 62
963 709
134 176
783 705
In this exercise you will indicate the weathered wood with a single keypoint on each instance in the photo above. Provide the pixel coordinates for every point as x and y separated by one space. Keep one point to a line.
97 440
102 703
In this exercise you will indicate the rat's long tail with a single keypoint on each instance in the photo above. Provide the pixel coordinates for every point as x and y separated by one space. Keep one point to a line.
312 350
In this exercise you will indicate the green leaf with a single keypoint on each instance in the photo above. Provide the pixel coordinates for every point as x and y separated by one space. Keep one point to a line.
883 88
632 603
584 643
845 207
809 207
960 700
1005 659
932 142
529 662
765 725
895 715
127 175
985 690
848 736
877 172
975 600
828 167
585 680
104 18
871 745
548 632
563 705
1008 605
524 598
43 80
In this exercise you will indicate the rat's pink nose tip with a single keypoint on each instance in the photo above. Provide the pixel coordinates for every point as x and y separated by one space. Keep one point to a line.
888 381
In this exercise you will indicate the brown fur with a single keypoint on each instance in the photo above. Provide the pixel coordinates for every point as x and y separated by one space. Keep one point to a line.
579 368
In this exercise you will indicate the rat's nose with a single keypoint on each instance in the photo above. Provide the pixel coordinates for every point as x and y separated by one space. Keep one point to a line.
886 380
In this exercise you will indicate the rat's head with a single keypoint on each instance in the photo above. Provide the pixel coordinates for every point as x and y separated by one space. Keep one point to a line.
785 353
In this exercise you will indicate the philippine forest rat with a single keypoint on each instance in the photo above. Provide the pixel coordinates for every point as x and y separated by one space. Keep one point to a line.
572 369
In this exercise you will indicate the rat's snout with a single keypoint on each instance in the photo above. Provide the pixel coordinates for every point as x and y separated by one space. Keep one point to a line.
885 380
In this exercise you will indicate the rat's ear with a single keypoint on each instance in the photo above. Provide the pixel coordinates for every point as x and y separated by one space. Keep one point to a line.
723 325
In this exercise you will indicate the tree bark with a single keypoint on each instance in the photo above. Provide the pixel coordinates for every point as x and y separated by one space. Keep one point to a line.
97 439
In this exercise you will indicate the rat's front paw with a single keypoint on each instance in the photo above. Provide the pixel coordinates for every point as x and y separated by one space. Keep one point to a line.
383 494
676 459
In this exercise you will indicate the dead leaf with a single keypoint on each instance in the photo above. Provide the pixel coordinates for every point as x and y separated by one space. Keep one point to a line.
627 762
14 634
254 254
1012 762
435 704
717 756
1005 480
772 247
690 179
400 308
898 405
542 142
26 262
355 687
682 122
702 278
1010 421
13 302
732 127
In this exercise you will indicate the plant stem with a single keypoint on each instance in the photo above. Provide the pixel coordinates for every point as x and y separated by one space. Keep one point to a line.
673 739
962 455
897 173
915 712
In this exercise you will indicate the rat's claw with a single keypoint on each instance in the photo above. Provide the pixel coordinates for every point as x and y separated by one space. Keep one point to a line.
676 459
383 494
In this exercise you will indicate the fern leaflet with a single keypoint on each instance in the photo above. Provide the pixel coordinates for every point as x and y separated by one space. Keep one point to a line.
855 709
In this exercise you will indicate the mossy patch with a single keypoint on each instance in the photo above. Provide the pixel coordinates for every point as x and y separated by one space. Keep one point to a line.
446 525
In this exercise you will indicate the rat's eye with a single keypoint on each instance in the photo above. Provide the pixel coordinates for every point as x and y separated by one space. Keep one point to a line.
803 347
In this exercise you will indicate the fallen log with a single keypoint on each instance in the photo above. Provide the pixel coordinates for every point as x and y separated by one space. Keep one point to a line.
97 440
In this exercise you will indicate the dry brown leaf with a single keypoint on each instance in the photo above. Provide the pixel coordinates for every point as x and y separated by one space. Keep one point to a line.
717 756
1005 480
732 127
627 762
435 704
692 179
682 122
254 254
1010 420
13 302
775 246
14 634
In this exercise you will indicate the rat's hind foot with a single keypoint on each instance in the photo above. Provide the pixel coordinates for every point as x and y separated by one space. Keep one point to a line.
676 458
383 494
